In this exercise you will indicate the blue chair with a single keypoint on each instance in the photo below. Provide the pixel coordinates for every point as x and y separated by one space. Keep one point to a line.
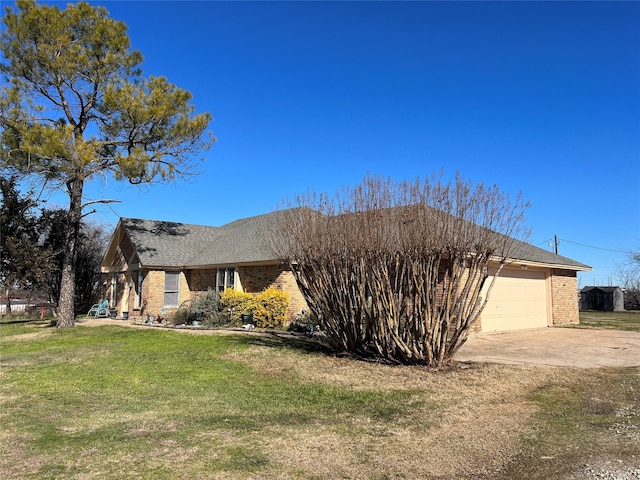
99 310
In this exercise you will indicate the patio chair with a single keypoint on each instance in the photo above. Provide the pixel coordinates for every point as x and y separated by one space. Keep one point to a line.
99 310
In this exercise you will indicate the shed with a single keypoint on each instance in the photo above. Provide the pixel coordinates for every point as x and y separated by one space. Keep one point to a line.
607 299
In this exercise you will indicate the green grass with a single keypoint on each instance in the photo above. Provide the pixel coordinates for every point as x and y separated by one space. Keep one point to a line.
629 320
16 326
116 402
91 388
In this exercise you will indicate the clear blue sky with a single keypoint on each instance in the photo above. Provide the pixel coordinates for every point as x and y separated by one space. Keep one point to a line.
538 97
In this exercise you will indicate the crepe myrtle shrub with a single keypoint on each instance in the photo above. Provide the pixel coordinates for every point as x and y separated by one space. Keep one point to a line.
399 270
269 308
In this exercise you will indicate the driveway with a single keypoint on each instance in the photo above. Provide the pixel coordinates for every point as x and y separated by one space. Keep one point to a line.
566 347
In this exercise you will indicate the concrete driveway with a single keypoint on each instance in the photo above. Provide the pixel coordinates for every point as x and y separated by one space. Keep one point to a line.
567 347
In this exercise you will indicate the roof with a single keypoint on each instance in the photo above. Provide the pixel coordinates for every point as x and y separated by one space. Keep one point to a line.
603 289
529 253
167 244
171 244
246 241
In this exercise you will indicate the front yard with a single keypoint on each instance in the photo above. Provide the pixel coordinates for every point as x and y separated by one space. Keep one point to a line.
116 402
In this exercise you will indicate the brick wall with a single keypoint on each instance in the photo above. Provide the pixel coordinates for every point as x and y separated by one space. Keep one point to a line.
153 292
199 281
564 297
257 279
287 282
563 285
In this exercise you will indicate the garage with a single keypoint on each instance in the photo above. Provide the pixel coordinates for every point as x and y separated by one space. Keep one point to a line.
518 301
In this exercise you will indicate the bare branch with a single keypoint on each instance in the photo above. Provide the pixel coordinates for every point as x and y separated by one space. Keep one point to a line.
398 270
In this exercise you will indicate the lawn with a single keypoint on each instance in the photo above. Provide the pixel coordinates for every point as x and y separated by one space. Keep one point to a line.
629 320
115 402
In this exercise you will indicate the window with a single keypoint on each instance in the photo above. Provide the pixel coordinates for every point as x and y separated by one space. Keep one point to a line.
138 302
226 279
171 289
114 289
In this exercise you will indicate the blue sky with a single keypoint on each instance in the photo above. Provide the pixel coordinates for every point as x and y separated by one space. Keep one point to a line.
538 97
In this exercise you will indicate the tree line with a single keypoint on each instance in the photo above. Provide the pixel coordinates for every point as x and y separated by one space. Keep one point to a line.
32 247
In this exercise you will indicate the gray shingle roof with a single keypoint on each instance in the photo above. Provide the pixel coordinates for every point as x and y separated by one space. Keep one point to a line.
166 244
170 244
529 253
239 242
244 241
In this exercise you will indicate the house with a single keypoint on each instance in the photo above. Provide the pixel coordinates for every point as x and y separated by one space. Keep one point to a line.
152 267
607 299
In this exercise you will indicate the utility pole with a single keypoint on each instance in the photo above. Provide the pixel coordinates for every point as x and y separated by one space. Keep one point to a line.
555 244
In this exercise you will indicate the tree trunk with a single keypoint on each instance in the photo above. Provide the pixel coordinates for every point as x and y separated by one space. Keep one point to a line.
8 303
66 301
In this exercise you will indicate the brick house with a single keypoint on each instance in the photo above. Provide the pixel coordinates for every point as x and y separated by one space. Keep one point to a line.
152 267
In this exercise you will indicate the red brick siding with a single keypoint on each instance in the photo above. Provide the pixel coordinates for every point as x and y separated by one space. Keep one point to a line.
257 279
563 284
199 281
196 282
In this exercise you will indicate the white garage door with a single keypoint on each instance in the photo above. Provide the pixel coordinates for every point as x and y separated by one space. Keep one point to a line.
518 300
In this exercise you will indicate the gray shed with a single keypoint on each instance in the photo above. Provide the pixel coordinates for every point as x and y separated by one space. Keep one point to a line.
607 299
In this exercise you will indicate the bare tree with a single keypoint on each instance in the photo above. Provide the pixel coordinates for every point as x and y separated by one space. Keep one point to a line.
92 243
628 275
398 270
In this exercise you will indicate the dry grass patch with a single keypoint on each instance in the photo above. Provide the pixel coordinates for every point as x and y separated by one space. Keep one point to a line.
471 415
25 337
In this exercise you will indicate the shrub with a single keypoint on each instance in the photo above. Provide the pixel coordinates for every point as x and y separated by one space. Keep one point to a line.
181 316
233 304
270 308
204 309
305 322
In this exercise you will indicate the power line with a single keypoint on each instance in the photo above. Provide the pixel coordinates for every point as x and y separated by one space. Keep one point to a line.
597 248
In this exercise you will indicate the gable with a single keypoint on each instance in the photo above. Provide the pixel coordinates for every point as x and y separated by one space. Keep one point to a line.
121 254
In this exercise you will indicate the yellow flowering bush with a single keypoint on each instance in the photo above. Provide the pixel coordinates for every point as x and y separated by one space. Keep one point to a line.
234 304
270 308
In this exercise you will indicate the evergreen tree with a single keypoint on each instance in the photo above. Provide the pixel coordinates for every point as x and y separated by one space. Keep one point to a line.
76 106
